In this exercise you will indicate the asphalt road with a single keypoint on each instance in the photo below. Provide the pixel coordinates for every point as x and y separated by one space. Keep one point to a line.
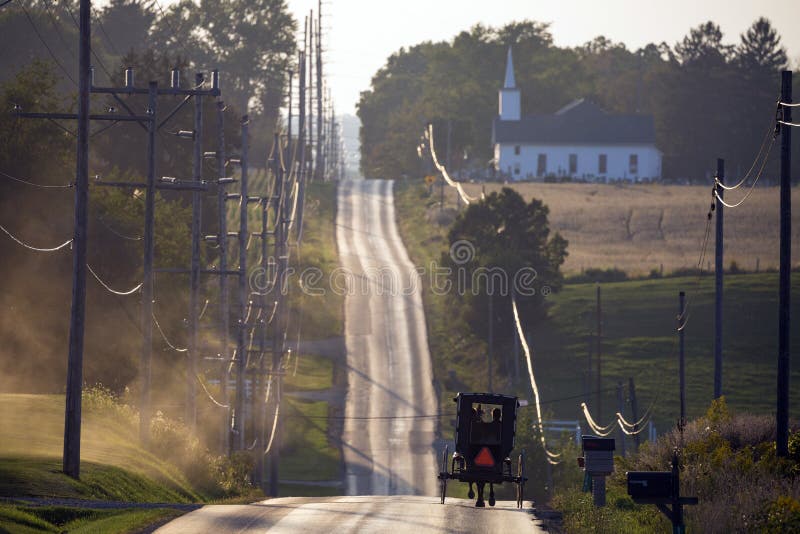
381 514
389 450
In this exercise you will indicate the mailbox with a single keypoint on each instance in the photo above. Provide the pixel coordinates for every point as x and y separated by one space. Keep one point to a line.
650 485
598 455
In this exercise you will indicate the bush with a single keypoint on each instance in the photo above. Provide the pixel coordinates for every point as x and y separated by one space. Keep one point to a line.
602 276
171 441
728 461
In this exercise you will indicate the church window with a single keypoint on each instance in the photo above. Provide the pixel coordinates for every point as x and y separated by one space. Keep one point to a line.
602 164
541 165
517 150
633 164
573 163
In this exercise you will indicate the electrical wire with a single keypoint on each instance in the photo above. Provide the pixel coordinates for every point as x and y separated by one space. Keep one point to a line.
467 199
208 393
789 105
164 336
601 431
115 232
49 51
769 133
752 187
109 289
33 184
75 21
99 20
528 360
31 247
793 124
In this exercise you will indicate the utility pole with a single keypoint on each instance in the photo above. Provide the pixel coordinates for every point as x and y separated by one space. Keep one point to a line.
147 284
719 267
262 325
301 121
224 299
241 345
490 353
784 323
72 416
621 410
310 87
320 131
194 277
278 332
681 355
634 411
599 356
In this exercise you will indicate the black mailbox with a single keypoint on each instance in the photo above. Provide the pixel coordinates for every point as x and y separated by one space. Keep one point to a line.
650 485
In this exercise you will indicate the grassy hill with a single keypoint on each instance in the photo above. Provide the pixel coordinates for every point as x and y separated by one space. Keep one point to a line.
113 468
639 325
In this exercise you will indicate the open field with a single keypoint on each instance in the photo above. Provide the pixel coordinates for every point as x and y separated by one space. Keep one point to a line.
638 228
639 335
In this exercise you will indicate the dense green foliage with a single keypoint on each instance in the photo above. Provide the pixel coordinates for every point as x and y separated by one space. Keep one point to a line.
727 460
708 99
507 251
38 74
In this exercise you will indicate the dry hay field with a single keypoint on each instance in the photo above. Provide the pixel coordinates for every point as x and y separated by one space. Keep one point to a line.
638 228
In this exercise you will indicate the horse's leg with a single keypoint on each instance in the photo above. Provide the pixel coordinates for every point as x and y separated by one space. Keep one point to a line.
479 503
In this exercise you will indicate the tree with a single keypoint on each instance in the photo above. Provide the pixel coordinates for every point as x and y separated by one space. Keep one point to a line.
250 41
504 238
760 48
703 45
127 24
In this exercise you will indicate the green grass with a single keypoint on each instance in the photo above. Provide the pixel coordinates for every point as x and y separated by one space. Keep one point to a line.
309 372
639 338
309 453
33 428
42 477
29 519
639 341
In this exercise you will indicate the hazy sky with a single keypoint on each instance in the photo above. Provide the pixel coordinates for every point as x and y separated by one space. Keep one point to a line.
361 34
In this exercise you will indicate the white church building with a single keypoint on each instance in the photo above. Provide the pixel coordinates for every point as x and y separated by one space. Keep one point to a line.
580 142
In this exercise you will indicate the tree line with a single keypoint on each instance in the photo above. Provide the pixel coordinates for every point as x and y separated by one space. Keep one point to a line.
252 44
708 99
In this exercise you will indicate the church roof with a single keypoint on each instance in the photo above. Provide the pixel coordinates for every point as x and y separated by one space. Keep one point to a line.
510 83
580 121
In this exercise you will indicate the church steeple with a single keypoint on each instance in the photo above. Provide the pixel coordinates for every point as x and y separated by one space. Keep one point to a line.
510 107
510 83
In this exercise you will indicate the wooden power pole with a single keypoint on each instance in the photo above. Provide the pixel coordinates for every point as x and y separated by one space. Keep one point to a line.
784 324
719 267
72 416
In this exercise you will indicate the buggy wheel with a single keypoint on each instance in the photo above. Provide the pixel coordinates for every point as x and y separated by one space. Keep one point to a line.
443 473
520 479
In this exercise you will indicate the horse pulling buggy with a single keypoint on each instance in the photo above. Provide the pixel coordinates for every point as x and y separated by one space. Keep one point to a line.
486 425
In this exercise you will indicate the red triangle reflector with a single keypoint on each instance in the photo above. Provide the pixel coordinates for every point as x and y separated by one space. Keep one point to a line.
484 458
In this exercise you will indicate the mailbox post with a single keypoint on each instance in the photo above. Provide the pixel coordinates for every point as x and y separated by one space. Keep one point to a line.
598 462
662 488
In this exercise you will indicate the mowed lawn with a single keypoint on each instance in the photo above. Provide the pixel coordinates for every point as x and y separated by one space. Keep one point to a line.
640 341
638 228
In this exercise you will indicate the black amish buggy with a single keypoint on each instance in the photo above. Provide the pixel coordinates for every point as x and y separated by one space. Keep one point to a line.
486 424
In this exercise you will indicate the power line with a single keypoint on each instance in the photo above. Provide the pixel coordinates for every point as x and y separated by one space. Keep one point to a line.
31 247
103 30
116 233
49 51
528 360
74 20
34 184
109 289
